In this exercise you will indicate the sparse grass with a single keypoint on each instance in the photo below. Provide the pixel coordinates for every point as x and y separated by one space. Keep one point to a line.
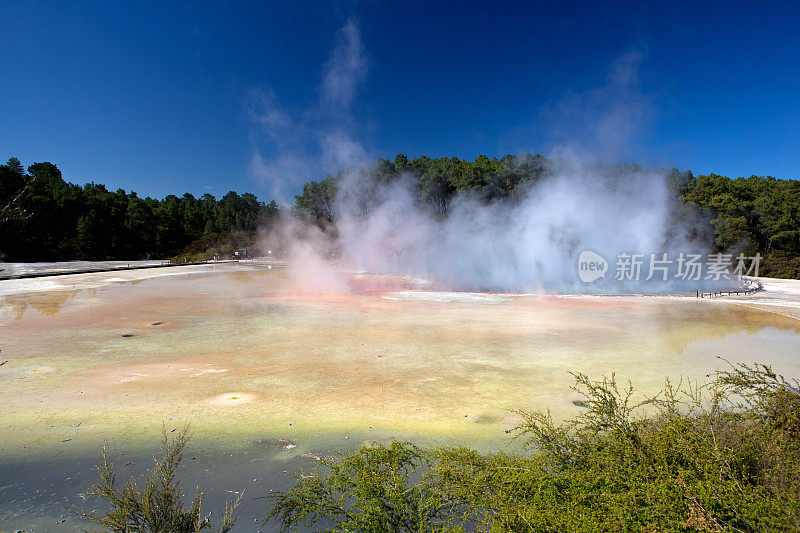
156 505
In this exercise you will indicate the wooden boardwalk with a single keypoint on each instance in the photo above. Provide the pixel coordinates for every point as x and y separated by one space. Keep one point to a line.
749 290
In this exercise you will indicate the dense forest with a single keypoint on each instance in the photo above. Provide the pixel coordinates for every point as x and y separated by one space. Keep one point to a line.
54 220
44 217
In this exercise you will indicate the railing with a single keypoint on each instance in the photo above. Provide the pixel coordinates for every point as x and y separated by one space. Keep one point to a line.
750 288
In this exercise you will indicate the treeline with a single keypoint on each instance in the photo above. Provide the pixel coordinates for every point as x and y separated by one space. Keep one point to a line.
437 181
55 220
755 214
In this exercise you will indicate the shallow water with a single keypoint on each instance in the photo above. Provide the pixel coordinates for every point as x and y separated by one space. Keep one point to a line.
39 494
246 354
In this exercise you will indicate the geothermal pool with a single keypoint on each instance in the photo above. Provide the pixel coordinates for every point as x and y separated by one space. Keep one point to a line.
271 368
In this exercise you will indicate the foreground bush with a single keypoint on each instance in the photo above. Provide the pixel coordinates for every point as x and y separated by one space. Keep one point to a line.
720 457
155 506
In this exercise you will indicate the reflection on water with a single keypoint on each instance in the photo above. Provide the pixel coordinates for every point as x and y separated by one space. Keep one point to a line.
48 303
252 356
706 322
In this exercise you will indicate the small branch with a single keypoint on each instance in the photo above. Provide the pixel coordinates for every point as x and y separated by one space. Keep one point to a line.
8 208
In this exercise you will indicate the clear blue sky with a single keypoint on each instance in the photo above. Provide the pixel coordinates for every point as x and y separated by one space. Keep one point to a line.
158 97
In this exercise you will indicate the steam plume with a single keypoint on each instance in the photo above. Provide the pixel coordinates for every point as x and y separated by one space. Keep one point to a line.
530 244
291 145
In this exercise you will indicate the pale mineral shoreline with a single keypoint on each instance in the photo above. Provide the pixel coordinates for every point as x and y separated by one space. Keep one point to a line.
94 280
780 296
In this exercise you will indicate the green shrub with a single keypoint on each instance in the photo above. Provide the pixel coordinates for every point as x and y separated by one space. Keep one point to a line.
156 505
375 488
724 456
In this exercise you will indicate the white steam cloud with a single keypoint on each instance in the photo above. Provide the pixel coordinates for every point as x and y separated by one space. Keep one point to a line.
318 139
345 70
530 244
606 123
526 246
